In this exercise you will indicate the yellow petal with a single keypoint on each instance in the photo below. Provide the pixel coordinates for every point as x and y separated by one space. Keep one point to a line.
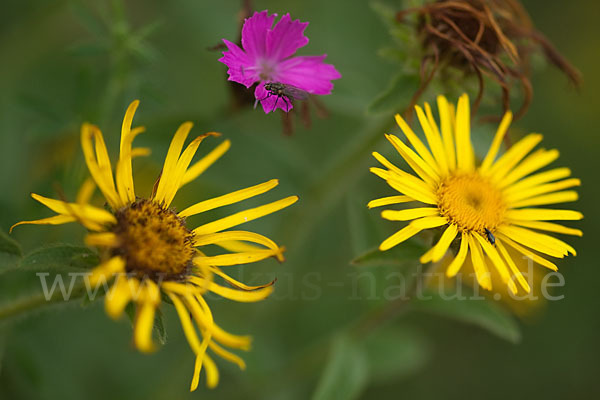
433 138
106 270
171 160
235 258
409 214
142 331
416 143
226 338
124 173
481 271
237 284
552 198
102 175
404 186
120 295
212 373
235 235
91 217
126 125
464 149
543 214
447 134
140 152
102 239
534 162
386 201
386 163
227 355
55 220
397 172
412 229
541 189
407 184
236 246
244 216
196 376
512 157
549 226
86 191
399 237
186 323
204 163
500 133
538 179
234 341
421 167
182 166
538 241
534 257
238 295
429 222
513 268
459 260
231 198
497 261
444 243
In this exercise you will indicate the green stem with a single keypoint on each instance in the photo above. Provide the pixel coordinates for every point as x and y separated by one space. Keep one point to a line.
37 301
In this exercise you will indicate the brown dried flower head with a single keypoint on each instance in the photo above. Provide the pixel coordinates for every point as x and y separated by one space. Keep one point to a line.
493 38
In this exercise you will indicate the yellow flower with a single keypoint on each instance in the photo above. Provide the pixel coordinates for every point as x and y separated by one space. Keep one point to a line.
148 248
487 207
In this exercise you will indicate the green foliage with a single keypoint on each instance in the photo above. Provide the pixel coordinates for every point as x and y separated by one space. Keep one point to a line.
10 253
394 352
159 328
48 276
398 255
485 313
398 94
382 356
346 372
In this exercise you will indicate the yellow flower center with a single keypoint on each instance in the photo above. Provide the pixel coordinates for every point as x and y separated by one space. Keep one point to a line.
471 202
154 241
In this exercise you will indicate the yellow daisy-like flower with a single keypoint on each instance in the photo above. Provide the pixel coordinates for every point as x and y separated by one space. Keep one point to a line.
488 207
149 250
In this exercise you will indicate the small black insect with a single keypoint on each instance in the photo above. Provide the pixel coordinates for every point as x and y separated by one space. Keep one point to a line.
283 91
490 236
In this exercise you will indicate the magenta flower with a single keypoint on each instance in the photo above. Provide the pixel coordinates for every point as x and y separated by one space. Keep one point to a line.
267 57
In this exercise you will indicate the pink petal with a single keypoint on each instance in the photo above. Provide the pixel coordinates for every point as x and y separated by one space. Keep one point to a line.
286 38
268 102
308 73
254 34
241 68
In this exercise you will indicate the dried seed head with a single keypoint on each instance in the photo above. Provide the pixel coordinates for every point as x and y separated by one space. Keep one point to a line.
493 38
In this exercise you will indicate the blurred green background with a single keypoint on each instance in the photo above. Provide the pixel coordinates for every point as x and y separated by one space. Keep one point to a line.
65 62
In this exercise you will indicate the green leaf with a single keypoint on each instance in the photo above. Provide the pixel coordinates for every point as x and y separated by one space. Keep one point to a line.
409 251
61 258
48 276
396 98
159 327
346 372
472 310
395 352
10 253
